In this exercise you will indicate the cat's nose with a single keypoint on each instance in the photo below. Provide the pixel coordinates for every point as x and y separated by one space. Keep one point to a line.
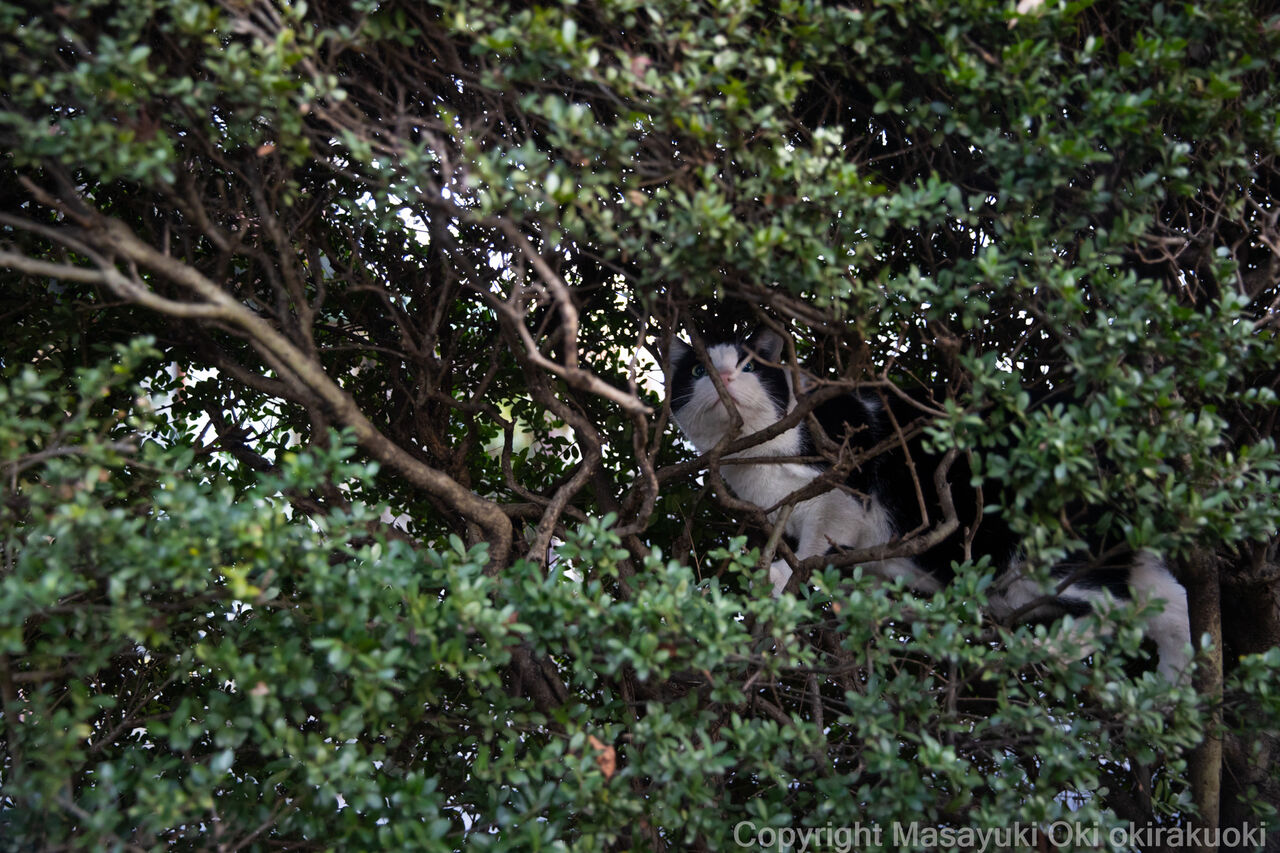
726 376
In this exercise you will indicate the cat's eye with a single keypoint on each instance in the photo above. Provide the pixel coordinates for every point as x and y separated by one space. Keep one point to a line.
698 371
749 367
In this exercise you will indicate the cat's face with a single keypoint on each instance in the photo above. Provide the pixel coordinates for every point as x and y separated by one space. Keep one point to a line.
759 390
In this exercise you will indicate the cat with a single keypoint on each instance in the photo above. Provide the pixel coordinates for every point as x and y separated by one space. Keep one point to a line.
881 498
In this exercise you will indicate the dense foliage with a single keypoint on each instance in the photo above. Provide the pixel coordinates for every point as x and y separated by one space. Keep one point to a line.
341 507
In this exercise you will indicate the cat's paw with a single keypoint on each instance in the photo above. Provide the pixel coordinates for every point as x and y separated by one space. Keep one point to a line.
779 574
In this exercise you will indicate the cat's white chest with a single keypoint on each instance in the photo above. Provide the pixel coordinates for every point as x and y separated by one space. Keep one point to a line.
765 483
833 518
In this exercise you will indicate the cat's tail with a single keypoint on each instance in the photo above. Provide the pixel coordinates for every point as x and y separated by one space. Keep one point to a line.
1147 581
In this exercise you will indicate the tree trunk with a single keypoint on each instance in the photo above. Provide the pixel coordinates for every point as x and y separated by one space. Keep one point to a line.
1205 599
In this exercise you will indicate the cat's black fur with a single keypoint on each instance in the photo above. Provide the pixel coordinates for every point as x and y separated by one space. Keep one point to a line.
881 500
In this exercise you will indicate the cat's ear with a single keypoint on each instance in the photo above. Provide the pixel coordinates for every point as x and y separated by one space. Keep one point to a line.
766 344
679 349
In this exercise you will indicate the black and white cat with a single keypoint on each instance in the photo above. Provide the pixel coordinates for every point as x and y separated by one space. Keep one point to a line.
881 498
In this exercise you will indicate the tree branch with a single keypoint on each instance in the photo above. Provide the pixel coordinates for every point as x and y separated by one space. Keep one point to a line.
111 235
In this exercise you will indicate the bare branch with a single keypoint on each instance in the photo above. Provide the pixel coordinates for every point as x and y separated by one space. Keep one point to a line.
216 304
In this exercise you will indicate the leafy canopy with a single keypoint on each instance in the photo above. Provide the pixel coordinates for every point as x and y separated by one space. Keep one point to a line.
341 507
